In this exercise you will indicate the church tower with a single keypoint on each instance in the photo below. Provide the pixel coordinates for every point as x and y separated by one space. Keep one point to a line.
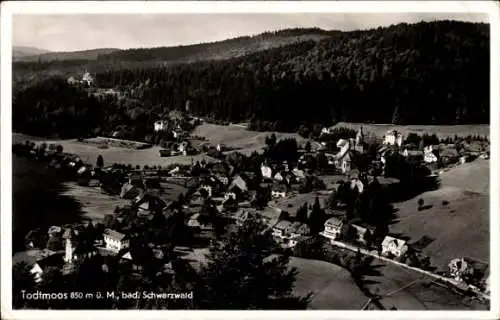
68 257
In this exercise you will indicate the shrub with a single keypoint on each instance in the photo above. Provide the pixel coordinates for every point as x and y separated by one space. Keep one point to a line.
420 203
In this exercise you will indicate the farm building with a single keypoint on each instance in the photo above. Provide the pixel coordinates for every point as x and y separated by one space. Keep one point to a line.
394 247
333 228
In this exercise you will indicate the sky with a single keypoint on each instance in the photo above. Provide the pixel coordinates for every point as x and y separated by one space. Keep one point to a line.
87 31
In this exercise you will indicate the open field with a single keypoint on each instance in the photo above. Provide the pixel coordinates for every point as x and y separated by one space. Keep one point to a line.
408 290
293 203
94 204
331 285
111 142
473 176
89 153
440 131
236 136
458 229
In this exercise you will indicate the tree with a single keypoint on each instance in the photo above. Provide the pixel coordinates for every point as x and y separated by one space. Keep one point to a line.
243 263
420 203
22 279
301 215
396 116
100 161
317 217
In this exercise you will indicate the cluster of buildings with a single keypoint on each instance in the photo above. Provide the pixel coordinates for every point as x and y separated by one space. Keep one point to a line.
86 80
216 191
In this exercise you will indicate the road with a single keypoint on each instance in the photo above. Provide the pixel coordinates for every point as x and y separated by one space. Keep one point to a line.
430 274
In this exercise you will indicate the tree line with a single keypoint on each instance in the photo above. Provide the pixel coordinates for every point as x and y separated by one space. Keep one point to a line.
424 73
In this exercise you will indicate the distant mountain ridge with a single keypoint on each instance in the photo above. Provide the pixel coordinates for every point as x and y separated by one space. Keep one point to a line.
67 55
216 50
19 52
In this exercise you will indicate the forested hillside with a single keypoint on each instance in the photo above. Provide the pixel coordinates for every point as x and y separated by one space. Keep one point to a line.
425 73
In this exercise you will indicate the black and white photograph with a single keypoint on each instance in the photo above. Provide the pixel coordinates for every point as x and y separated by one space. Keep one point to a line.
232 160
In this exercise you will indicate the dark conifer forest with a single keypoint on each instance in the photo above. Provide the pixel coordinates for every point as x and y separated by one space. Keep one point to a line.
424 73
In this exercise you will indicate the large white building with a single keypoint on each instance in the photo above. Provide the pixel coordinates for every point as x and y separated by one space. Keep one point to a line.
393 137
115 241
333 228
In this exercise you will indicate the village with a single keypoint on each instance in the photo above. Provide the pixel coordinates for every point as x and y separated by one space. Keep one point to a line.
321 192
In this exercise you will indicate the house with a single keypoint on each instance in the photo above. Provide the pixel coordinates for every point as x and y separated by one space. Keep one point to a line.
206 188
238 185
161 125
293 242
299 174
297 229
114 240
223 179
129 191
242 215
77 249
393 138
325 131
278 177
147 203
394 247
459 268
358 184
72 81
266 171
333 228
87 79
429 154
279 191
54 260
344 157
279 229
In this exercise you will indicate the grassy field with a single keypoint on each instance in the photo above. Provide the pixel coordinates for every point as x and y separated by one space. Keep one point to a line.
440 131
408 290
292 204
460 228
332 286
473 176
89 153
94 204
235 136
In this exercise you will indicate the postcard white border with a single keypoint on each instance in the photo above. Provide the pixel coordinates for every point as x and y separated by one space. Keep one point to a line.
133 7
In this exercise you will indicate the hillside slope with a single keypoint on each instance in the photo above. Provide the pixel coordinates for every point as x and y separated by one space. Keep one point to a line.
403 74
457 229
